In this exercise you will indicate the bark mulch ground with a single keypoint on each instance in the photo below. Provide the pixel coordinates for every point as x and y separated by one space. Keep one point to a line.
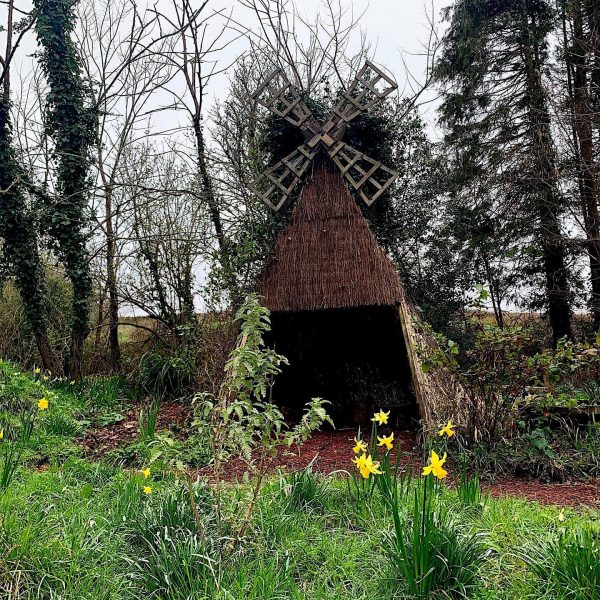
331 451
98 441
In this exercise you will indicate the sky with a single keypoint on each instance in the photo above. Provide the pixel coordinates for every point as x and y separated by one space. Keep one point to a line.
397 30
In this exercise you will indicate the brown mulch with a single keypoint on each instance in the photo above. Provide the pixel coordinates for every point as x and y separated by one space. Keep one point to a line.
98 441
330 451
560 494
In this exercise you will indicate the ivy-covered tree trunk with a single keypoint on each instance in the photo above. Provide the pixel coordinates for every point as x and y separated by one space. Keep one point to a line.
70 125
17 229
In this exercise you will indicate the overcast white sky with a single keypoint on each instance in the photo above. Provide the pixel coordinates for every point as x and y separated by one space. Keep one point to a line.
396 29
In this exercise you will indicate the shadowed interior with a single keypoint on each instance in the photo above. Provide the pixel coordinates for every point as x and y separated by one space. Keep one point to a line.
355 358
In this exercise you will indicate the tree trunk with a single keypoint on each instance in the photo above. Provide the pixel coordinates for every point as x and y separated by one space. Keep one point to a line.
113 298
547 197
47 355
582 115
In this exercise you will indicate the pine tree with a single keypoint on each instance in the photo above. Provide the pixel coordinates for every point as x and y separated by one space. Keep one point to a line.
496 112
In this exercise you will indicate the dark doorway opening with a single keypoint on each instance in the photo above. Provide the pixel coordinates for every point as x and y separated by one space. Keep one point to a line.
355 358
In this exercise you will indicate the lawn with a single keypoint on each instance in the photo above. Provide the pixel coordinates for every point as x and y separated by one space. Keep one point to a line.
75 528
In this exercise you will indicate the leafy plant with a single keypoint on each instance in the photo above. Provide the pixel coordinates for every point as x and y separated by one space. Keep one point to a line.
241 421
469 491
300 489
163 376
12 446
148 418
433 558
176 561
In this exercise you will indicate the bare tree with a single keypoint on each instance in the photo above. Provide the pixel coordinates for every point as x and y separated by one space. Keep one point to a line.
119 46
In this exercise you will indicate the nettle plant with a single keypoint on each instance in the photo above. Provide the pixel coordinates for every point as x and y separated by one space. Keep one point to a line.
241 421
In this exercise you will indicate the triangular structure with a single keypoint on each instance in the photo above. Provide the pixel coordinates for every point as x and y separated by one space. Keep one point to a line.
327 257
338 307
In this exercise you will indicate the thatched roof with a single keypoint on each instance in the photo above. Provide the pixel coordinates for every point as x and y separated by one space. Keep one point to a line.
327 257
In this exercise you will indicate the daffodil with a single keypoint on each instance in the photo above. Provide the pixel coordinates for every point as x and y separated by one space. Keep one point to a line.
386 441
381 417
147 489
435 466
1 434
360 446
45 377
42 404
360 461
370 467
366 465
146 472
37 370
447 429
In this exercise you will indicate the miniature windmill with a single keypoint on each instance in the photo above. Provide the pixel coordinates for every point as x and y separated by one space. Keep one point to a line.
367 176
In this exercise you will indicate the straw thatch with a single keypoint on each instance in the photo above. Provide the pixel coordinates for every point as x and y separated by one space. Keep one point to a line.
327 257
440 396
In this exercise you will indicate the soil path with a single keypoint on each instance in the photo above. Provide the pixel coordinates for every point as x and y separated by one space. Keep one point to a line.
330 451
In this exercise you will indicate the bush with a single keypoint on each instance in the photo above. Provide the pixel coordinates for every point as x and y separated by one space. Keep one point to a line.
165 376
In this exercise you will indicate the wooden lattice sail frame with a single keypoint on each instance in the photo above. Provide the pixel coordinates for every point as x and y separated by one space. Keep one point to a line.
368 177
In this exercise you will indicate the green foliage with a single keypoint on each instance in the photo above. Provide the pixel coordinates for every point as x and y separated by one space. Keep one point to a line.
70 123
568 565
300 489
174 560
165 376
18 231
505 226
434 558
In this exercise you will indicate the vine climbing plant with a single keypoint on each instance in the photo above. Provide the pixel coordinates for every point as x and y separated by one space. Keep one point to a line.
20 243
70 124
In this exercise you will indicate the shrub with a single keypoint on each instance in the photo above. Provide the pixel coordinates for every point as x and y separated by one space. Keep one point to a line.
569 565
165 376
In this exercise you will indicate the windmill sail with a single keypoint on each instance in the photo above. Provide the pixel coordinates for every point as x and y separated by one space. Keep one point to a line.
366 176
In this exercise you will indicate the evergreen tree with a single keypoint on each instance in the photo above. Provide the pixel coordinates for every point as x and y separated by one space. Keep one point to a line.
495 109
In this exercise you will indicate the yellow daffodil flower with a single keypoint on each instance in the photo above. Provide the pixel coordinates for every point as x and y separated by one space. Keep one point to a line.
435 466
1 434
45 377
37 370
147 489
447 429
370 466
43 404
366 465
381 417
146 472
360 446
360 461
386 441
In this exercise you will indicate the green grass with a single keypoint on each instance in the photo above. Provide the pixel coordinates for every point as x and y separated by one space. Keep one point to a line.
73 529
